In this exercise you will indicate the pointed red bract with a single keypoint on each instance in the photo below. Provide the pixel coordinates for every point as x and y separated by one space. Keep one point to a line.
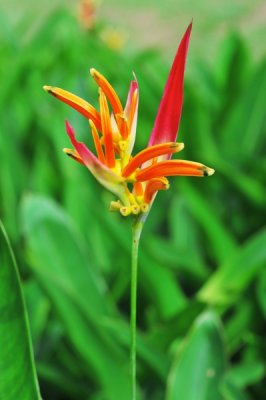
169 113
97 168
133 86
87 156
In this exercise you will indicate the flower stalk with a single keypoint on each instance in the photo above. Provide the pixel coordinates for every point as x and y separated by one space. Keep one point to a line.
136 232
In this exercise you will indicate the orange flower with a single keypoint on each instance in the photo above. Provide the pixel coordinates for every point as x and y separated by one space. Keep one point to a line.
113 129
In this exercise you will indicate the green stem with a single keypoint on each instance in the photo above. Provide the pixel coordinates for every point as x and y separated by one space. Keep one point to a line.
136 232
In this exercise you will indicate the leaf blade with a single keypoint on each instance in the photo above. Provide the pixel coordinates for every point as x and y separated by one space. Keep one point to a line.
18 374
200 365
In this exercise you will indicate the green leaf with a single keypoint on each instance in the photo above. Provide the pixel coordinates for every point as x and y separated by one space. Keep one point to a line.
238 325
17 370
38 307
231 391
151 355
168 297
248 186
247 122
185 236
237 272
219 237
261 291
77 291
232 68
247 373
199 366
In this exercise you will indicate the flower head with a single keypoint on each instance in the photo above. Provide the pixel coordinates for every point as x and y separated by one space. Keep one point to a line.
135 180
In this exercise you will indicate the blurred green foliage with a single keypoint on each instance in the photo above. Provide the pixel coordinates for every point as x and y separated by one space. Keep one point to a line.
202 285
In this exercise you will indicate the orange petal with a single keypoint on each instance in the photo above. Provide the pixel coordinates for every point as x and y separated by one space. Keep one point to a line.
131 114
106 130
173 168
97 142
133 109
108 90
122 123
77 103
153 186
149 153
138 189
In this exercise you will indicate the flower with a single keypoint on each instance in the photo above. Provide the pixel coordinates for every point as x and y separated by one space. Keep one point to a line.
87 14
135 180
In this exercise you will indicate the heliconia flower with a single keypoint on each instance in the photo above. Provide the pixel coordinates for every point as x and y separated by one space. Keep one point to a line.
135 180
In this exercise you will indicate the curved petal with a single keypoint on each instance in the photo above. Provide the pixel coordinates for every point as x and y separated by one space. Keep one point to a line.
169 112
150 153
131 113
153 186
82 106
173 168
104 175
108 90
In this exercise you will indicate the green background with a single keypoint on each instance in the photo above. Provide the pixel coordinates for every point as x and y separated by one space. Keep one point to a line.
202 280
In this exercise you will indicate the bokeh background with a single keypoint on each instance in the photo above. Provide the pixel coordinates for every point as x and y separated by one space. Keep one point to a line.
202 278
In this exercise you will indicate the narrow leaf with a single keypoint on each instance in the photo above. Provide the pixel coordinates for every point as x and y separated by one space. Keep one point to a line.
200 364
237 272
18 378
77 291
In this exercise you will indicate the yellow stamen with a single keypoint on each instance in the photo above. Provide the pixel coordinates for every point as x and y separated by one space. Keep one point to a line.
173 168
115 205
149 153
106 130
135 209
77 103
108 91
73 154
144 207
132 198
125 211
97 142
122 145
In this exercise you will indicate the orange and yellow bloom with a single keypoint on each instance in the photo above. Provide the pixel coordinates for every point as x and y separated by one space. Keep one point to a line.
135 180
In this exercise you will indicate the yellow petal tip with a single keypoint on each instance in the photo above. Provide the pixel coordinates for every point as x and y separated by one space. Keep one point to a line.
47 88
67 151
91 123
208 171
179 146
92 71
